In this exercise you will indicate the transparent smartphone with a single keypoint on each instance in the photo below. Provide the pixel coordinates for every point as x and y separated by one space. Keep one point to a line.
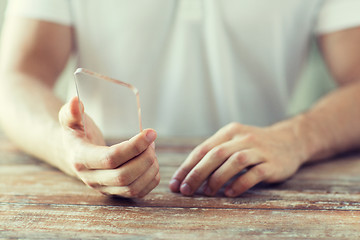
113 105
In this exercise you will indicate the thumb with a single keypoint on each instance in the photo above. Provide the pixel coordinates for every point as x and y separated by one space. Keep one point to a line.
70 114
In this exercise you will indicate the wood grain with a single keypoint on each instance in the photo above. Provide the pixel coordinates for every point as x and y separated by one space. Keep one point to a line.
38 201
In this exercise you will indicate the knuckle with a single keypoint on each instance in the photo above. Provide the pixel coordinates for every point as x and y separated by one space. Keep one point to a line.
260 172
251 138
139 146
181 173
132 192
78 166
230 130
215 182
110 161
201 151
243 185
156 165
218 152
233 127
122 180
156 181
150 160
137 149
118 149
195 176
241 160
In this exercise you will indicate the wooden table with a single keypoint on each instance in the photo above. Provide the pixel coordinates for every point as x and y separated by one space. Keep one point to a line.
38 201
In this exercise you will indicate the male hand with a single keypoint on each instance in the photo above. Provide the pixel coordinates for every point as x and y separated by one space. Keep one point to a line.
268 154
128 169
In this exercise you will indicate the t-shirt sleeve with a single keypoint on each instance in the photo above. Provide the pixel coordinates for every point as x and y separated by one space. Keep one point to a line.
57 11
336 15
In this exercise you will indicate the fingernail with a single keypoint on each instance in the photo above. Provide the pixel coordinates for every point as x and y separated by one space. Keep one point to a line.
185 189
150 136
229 192
174 185
208 190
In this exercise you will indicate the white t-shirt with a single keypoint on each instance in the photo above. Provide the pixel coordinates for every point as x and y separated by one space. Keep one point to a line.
198 64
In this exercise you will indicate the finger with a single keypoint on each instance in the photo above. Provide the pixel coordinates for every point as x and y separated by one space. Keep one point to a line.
143 181
122 176
70 114
252 177
223 135
150 186
127 150
135 188
212 160
236 163
96 157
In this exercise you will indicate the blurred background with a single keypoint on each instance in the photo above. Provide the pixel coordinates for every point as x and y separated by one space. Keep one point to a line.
67 75
314 83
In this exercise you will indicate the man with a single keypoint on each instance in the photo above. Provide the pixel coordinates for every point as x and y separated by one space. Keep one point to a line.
200 66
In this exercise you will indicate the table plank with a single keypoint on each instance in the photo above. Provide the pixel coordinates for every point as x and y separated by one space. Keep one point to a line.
38 201
332 185
184 222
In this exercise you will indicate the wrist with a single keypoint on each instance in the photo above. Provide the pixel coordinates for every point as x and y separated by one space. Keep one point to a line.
300 136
